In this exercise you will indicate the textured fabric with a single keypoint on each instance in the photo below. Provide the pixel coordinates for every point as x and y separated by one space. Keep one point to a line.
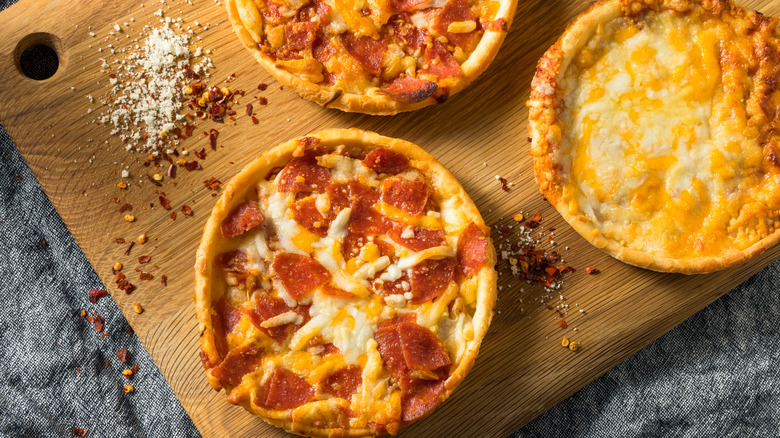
43 340
715 375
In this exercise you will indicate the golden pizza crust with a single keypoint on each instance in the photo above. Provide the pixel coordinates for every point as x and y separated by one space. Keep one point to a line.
444 185
376 104
548 124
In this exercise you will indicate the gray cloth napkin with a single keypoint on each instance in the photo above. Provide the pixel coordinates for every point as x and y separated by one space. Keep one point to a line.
714 375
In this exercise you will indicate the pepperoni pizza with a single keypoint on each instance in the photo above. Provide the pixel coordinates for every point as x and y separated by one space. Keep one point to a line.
374 57
344 283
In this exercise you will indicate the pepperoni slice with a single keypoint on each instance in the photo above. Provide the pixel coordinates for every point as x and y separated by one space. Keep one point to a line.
343 382
284 390
455 10
430 278
409 195
383 160
266 307
409 89
234 261
389 346
300 35
336 292
417 239
440 62
397 286
225 318
422 349
299 274
397 319
418 397
346 195
242 219
367 51
238 363
365 220
472 249
305 212
303 174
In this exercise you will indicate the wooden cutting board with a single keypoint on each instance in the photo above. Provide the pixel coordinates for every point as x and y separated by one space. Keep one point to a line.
522 369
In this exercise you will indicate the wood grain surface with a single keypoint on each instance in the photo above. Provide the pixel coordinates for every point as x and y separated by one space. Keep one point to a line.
522 369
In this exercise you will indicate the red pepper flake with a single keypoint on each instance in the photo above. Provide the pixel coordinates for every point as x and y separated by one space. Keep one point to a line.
186 210
122 355
212 183
165 203
262 87
201 153
76 430
254 120
531 224
562 323
188 130
129 247
192 165
537 216
505 231
144 259
120 240
103 335
249 109
125 207
96 294
262 100
504 183
164 280
149 177
591 270
172 171
83 312
145 275
213 133
18 176
129 288
99 323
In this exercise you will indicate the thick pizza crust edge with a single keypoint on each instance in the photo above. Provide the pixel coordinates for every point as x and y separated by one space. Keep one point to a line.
377 104
446 186
545 104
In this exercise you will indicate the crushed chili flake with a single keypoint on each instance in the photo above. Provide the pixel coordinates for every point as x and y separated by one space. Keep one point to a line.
537 216
120 240
164 280
249 109
591 270
165 203
154 181
129 247
262 101
201 153
144 259
145 275
505 231
504 183
213 133
254 120
172 171
192 165
212 183
125 207
77 431
173 215
83 312
96 294
262 87
99 323
532 224
562 323
186 210
121 354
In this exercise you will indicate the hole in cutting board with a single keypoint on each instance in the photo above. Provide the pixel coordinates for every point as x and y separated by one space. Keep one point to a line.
38 56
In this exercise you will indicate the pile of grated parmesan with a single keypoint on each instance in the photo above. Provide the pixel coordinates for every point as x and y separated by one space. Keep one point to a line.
145 102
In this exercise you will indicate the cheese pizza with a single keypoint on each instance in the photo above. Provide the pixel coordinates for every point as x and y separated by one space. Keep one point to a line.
344 284
373 56
653 128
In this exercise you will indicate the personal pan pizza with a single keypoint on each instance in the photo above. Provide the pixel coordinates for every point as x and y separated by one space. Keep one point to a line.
344 283
373 56
654 131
